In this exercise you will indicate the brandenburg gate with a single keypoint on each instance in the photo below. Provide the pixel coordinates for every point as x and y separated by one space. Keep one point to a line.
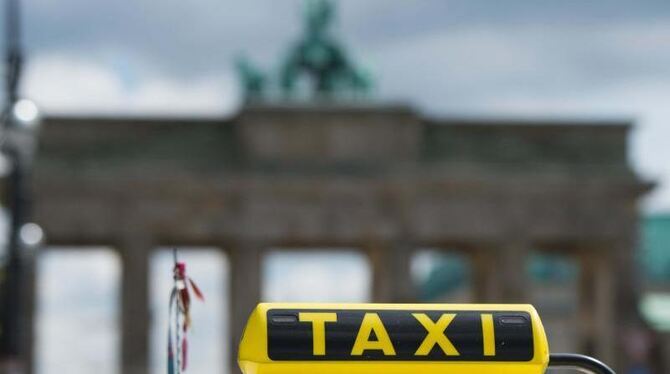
382 179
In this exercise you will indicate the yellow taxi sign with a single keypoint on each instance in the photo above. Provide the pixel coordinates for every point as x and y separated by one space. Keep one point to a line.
393 338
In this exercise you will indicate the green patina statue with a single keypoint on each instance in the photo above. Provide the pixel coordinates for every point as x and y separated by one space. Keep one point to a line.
253 80
318 57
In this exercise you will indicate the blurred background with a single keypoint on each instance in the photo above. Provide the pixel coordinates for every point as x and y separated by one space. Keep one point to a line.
345 151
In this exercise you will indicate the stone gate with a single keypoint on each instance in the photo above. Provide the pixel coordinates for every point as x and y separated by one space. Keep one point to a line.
382 179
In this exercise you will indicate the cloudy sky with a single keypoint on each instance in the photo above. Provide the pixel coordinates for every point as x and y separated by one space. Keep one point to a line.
513 58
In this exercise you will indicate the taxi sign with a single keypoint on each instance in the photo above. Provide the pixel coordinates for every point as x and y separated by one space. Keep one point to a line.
393 339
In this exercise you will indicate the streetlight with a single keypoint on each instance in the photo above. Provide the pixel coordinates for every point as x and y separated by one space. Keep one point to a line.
20 124
26 115
20 142
22 128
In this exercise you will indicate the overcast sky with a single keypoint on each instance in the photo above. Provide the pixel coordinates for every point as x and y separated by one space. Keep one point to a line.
513 58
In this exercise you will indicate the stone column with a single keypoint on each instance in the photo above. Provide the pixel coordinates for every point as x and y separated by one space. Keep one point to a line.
483 280
597 306
135 319
245 292
499 273
391 278
605 310
627 277
665 352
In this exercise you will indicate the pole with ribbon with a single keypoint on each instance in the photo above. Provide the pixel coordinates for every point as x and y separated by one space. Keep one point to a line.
179 316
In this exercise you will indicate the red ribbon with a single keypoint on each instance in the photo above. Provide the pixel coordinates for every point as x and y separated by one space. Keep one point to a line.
182 288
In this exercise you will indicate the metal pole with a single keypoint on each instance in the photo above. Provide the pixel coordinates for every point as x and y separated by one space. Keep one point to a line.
12 332
12 326
14 55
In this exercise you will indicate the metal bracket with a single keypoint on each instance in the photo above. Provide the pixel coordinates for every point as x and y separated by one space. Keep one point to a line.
581 362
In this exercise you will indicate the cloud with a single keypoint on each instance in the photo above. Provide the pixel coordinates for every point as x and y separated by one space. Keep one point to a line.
63 83
192 37
180 38
464 65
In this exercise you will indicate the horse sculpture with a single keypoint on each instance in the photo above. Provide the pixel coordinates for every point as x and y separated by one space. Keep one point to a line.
319 56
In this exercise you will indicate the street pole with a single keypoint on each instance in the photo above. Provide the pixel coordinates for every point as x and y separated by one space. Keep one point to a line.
14 55
12 328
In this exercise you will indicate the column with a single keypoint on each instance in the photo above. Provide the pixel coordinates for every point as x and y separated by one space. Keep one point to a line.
627 291
587 271
604 310
621 255
597 306
245 292
665 353
483 280
135 319
500 273
391 277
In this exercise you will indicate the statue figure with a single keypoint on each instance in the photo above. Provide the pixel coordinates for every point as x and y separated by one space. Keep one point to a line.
321 58
252 80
